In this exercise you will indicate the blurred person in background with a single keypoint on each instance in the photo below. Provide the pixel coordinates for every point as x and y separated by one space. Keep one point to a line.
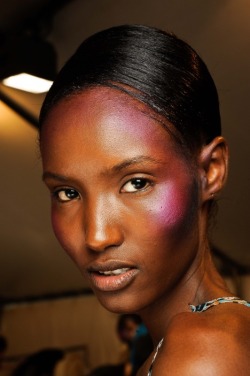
132 331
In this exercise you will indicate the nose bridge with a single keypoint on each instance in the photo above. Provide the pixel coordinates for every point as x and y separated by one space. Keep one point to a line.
102 229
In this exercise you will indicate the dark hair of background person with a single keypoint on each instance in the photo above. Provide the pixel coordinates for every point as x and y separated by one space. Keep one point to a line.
153 66
122 320
41 363
3 344
108 370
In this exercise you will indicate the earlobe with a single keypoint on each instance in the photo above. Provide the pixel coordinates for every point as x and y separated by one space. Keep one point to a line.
213 167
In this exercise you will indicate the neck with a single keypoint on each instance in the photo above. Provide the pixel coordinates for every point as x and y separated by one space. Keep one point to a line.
201 283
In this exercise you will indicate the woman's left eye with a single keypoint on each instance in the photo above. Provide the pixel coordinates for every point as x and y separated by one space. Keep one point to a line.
135 185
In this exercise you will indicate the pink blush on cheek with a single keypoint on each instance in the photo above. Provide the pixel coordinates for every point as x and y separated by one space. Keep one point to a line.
174 209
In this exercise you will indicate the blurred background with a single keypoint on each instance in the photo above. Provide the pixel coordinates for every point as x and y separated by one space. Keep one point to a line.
43 299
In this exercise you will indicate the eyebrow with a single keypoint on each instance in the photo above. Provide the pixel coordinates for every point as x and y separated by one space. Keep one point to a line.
115 169
52 175
134 161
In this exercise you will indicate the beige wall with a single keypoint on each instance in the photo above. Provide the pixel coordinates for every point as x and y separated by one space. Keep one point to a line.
62 323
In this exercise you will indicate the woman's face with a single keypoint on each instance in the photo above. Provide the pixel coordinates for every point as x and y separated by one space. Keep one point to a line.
124 202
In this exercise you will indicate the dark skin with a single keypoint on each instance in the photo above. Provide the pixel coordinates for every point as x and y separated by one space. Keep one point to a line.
132 213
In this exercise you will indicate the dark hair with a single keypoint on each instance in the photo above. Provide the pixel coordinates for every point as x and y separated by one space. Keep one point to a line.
123 319
152 66
3 343
41 363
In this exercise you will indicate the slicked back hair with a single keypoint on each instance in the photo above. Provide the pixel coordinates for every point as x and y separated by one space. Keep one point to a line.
153 66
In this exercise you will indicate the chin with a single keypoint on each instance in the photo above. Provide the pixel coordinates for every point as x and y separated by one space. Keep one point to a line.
117 304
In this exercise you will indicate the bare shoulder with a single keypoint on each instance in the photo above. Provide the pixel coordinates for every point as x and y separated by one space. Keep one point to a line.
216 342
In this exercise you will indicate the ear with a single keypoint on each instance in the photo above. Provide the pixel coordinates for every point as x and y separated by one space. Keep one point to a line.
213 168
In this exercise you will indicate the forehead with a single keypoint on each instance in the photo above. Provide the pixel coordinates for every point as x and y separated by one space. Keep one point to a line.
103 120
111 102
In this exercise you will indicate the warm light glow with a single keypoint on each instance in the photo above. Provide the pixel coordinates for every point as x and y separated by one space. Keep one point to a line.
27 82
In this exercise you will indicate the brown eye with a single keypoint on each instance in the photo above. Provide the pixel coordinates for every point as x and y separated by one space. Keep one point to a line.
135 185
64 195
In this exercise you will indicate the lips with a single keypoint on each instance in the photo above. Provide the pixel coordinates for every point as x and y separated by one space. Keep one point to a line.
111 276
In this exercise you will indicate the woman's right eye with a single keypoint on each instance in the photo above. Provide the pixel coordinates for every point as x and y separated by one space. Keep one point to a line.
66 194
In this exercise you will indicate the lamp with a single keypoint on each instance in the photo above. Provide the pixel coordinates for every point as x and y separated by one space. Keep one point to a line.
29 55
28 82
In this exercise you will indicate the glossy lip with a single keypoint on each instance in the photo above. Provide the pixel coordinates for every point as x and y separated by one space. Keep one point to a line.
111 283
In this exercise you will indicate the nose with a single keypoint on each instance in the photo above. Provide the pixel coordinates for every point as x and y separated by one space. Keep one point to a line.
102 227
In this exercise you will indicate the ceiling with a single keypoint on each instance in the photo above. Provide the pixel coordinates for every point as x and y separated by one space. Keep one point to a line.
32 263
